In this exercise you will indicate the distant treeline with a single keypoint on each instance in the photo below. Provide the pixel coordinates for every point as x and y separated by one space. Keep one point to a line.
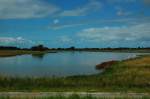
120 48
34 48
42 48
9 48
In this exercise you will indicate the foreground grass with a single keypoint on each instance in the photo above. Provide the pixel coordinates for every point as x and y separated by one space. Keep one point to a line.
52 97
74 96
131 75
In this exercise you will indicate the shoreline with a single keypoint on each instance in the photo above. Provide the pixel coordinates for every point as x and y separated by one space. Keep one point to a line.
11 53
119 77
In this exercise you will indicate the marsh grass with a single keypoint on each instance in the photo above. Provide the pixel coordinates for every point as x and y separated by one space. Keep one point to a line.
74 96
124 76
9 53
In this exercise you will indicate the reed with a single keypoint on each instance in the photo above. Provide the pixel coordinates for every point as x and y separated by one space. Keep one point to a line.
74 96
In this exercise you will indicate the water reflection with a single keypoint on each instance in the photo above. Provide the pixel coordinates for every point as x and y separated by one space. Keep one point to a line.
38 56
57 64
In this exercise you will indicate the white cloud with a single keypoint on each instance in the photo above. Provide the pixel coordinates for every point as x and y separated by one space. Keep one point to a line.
93 5
56 21
122 1
122 12
61 26
65 39
18 41
12 9
71 24
140 32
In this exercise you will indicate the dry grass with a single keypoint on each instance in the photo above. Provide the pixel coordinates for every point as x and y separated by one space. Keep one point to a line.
133 73
141 61
8 53
106 65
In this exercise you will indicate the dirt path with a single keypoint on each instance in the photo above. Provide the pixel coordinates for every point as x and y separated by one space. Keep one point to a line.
94 94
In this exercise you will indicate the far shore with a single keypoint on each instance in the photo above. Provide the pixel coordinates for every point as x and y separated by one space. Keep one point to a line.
9 53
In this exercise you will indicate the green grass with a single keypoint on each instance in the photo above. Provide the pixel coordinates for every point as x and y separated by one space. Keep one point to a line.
125 76
52 97
74 96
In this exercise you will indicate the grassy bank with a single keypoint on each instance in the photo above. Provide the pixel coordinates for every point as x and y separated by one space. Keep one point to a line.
8 53
54 97
131 75
74 96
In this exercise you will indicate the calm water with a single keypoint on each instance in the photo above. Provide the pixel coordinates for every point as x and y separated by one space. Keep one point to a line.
57 64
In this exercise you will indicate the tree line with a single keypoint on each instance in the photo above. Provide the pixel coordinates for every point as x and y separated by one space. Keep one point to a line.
43 48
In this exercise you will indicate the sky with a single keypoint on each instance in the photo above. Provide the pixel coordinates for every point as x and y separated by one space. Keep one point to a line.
79 23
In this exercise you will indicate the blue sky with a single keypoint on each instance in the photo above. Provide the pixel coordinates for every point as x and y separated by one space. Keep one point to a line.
79 23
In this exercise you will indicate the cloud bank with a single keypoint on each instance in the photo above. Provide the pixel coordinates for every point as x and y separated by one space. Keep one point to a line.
18 41
16 9
139 32
91 6
21 9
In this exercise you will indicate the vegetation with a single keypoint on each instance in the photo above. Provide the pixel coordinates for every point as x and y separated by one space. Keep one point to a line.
121 49
106 65
131 75
8 53
9 48
52 97
74 96
36 48
72 48
39 48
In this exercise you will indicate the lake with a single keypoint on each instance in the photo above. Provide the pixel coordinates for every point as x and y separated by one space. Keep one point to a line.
57 64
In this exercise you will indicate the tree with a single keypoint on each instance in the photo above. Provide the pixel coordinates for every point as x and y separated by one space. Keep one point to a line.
39 48
72 48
